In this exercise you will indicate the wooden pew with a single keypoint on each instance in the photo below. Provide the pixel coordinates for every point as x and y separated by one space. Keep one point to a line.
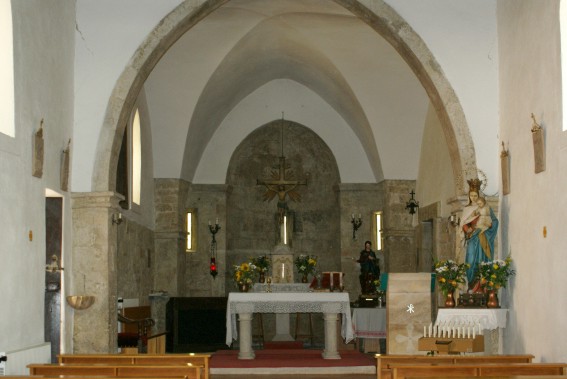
140 359
117 370
400 371
383 362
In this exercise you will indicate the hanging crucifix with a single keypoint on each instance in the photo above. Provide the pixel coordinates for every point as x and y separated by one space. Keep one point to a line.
282 184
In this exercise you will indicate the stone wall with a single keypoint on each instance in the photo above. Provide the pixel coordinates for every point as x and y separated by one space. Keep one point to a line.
252 223
135 260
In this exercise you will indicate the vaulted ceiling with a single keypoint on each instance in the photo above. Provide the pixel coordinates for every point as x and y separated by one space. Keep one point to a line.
312 60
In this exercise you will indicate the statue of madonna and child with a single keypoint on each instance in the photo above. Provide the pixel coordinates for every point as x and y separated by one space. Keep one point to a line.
479 227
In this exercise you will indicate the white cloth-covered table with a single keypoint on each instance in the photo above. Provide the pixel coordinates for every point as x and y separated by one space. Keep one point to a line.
488 319
331 304
369 322
281 287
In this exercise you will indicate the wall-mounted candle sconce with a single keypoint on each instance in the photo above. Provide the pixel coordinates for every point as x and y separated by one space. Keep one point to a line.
454 221
412 205
117 218
356 223
214 230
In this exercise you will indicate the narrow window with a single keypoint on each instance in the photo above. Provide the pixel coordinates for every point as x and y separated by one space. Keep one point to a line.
190 228
378 228
129 170
7 126
136 159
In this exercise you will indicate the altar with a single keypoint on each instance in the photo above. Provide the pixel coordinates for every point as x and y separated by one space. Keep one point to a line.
331 304
490 320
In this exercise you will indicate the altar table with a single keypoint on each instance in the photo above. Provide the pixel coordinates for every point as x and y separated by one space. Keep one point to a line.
328 303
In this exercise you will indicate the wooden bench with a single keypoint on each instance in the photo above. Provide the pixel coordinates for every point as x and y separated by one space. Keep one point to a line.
383 362
140 359
116 370
400 371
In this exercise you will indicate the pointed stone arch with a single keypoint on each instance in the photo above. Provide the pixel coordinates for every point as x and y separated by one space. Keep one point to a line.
382 18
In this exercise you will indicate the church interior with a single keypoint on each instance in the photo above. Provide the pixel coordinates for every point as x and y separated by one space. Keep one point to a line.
147 148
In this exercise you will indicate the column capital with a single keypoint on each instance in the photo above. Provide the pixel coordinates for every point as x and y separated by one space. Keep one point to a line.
106 199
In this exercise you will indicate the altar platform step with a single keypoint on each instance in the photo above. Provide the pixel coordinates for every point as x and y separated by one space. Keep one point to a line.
291 361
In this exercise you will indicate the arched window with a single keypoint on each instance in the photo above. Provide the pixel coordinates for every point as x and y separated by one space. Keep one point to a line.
6 70
129 171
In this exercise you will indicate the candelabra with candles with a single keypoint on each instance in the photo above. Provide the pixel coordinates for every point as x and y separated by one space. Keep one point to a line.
214 230
452 338
356 223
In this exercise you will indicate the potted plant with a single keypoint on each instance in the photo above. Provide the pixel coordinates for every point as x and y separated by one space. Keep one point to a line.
244 276
493 276
450 275
262 264
305 264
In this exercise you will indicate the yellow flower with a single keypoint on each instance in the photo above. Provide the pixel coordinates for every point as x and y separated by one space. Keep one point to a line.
495 266
312 262
454 283
442 280
245 267
493 276
491 283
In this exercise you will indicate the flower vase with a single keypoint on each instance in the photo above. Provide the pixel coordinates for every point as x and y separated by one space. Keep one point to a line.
492 301
243 287
450 299
304 278
262 278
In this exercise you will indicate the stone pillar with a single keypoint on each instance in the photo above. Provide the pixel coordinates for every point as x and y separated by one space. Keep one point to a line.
331 351
93 271
246 351
408 311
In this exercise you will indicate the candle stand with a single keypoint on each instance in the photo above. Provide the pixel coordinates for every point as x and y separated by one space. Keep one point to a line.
444 345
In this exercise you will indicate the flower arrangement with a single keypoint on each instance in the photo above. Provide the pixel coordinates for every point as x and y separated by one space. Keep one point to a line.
450 274
495 274
377 285
262 263
306 264
244 273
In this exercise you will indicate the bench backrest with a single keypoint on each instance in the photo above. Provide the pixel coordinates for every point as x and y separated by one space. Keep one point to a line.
127 370
383 362
400 371
137 359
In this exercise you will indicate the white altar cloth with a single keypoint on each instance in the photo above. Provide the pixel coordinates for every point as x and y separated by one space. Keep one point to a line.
281 287
369 322
489 319
288 302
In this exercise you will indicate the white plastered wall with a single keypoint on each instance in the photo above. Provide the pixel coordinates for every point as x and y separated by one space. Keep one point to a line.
43 58
530 80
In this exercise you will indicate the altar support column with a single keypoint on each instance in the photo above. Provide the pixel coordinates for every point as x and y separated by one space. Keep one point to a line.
246 351
330 351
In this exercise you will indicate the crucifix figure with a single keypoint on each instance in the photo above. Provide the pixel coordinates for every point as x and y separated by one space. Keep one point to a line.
281 186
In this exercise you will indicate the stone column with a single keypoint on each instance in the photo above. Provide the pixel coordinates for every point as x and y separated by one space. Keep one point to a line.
331 351
93 271
245 332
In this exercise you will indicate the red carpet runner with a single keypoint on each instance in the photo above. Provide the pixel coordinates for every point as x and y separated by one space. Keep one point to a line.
291 361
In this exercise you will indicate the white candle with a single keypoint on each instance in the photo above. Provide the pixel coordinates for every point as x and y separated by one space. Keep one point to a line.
209 222
424 331
340 279
430 329
473 333
217 221
468 332
283 271
331 279
479 330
